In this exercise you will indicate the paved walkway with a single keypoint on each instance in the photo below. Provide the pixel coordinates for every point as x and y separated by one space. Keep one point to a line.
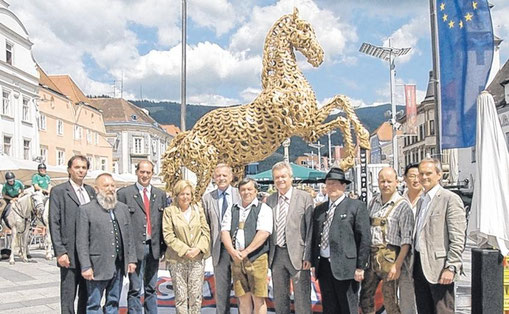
33 287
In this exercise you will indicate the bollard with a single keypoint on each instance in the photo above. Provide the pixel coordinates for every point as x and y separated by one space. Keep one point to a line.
487 281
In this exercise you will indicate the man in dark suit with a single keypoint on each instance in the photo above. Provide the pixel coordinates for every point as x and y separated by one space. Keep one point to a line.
64 200
340 246
146 204
104 242
439 242
215 204
290 242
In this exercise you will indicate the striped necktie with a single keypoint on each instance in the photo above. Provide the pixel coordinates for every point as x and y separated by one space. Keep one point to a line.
324 242
281 221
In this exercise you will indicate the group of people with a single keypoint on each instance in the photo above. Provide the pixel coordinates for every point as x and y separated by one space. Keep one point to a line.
100 235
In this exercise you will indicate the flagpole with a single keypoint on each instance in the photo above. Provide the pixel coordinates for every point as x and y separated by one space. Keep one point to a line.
436 77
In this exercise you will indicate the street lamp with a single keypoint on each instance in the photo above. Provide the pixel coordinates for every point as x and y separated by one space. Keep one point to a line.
318 146
388 54
330 148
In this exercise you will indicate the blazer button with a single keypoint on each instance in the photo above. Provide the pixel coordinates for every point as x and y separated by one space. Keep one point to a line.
113 256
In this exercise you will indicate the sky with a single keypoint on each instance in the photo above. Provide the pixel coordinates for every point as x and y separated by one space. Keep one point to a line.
136 44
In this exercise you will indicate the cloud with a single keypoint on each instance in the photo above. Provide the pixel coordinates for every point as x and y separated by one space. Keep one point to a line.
332 34
409 35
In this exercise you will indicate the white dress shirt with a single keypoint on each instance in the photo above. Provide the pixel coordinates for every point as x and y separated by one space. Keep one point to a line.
427 198
229 198
77 187
263 223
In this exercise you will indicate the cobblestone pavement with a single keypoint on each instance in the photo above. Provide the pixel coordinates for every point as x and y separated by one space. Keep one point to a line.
33 287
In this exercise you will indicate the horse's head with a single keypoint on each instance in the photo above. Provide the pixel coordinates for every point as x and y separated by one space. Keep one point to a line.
38 200
303 39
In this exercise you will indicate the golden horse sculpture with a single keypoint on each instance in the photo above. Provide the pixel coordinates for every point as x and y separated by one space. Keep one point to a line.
286 107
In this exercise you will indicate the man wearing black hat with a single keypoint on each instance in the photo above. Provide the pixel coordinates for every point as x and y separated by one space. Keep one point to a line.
340 246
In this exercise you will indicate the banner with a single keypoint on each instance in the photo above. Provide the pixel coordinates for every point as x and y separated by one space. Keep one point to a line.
411 109
465 40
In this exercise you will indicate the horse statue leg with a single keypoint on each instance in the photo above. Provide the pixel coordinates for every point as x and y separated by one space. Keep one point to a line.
343 123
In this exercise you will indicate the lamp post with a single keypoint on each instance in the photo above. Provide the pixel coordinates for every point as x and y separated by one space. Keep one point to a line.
183 69
388 54
330 148
318 146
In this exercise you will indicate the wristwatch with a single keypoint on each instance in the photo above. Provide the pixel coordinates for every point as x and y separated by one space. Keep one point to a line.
452 268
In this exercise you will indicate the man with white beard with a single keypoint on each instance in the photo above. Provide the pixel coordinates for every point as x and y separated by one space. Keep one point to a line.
105 246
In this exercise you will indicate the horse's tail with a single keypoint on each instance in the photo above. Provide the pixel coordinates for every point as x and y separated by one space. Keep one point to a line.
172 161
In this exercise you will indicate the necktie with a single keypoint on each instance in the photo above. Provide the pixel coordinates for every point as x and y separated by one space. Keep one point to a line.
225 204
81 196
324 242
281 221
146 202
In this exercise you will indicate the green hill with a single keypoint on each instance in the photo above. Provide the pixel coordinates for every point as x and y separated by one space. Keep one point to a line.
169 113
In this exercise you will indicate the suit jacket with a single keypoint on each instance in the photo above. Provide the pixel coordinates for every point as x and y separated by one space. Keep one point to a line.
181 235
210 202
63 214
130 195
298 229
96 241
442 236
349 238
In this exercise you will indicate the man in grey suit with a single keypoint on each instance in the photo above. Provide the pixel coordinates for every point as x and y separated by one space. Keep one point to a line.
439 242
105 246
215 204
340 246
290 242
64 201
146 204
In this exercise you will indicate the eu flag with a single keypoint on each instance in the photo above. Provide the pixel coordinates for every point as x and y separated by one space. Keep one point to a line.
465 40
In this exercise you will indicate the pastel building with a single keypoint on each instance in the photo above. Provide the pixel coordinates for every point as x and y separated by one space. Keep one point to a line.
19 84
69 125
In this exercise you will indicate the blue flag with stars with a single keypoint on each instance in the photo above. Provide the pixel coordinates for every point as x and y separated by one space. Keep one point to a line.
465 40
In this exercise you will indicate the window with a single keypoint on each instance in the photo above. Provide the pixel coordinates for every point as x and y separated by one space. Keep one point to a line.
8 52
26 149
431 127
96 138
42 122
26 110
44 153
138 145
104 164
60 127
60 157
91 161
6 103
77 132
473 154
89 136
7 145
115 167
154 147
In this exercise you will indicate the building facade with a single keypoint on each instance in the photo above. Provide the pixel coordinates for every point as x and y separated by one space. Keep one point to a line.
134 135
69 126
19 89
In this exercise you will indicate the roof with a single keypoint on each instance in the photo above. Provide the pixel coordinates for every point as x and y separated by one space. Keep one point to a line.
120 110
45 81
66 85
496 89
172 129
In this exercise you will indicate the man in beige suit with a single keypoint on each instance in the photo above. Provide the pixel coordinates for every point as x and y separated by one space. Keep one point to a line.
439 242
